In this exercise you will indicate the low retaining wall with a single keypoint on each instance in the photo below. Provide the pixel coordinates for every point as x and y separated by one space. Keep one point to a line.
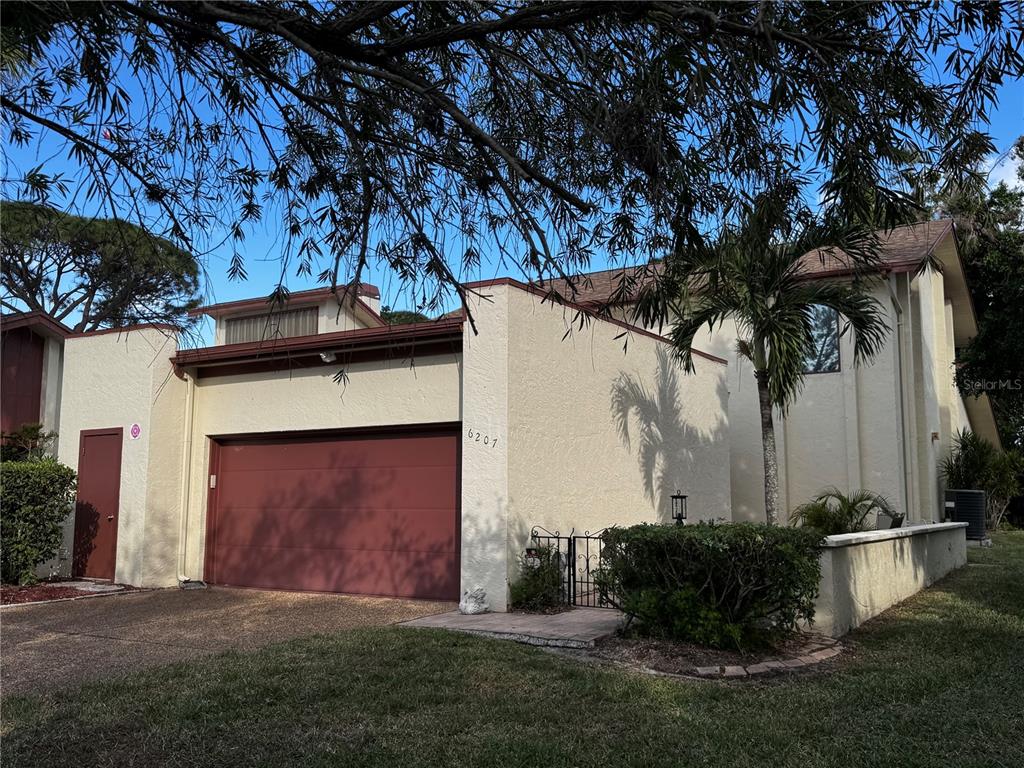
862 574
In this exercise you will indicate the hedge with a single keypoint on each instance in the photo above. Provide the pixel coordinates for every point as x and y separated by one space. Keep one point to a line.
36 498
716 584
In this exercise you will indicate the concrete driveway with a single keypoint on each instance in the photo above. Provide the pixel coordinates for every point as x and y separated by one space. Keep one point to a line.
53 645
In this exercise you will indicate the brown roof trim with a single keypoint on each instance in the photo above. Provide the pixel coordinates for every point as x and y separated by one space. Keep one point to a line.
306 361
36 320
340 341
588 310
311 296
125 329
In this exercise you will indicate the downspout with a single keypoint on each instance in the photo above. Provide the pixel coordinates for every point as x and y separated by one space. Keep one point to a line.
186 476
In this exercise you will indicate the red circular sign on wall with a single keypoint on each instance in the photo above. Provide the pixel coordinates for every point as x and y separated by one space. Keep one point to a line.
135 431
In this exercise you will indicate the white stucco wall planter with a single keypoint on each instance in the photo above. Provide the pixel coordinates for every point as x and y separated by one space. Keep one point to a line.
863 574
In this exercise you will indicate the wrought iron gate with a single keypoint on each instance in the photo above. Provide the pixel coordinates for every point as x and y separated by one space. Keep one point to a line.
579 556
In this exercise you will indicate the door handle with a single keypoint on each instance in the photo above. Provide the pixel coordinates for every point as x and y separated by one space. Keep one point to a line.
110 517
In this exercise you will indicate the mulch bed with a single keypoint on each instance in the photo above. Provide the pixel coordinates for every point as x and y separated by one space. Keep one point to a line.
678 658
11 594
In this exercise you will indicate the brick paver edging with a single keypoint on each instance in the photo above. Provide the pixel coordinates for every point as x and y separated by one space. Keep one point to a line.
817 650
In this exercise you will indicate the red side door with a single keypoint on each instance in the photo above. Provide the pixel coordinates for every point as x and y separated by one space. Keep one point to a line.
97 503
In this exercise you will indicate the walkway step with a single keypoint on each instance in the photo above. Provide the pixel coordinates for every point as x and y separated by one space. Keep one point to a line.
576 628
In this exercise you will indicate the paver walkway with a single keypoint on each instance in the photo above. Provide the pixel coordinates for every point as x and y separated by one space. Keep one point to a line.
577 628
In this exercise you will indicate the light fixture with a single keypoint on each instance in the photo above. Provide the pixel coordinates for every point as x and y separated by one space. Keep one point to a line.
328 357
679 507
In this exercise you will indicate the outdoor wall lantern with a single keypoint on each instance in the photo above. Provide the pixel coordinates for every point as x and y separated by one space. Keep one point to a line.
679 508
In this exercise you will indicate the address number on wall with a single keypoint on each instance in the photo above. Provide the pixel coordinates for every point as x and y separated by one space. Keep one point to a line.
477 436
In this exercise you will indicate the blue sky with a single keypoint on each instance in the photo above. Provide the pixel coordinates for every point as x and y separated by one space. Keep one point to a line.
264 243
264 266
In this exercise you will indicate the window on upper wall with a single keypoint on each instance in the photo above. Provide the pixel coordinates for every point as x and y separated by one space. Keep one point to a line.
824 357
273 325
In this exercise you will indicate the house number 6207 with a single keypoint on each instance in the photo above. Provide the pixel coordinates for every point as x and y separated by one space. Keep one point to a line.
479 437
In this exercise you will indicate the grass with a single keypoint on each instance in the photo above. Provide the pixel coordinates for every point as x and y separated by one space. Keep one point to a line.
938 681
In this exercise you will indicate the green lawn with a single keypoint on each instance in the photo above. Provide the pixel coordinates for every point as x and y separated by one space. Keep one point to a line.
938 682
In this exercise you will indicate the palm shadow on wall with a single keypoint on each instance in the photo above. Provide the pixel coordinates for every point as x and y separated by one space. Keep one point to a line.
652 419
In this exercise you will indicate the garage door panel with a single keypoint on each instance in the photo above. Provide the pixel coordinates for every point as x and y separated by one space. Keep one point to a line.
366 514
367 528
400 574
430 450
408 487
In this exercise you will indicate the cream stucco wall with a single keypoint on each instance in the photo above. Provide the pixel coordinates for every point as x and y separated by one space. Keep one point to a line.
842 430
863 574
883 426
334 316
486 445
570 464
377 393
53 374
541 442
115 380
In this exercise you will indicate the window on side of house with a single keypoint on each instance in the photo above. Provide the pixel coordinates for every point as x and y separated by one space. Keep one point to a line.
824 357
273 325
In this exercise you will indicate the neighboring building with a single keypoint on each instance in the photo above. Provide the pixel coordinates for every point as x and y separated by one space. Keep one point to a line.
31 354
314 447
884 426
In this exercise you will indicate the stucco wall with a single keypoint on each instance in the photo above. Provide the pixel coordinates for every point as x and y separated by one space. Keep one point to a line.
53 372
164 474
115 380
863 574
486 445
570 463
333 317
868 426
377 393
843 430
930 340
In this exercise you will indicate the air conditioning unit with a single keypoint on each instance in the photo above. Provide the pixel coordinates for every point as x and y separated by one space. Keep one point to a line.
964 506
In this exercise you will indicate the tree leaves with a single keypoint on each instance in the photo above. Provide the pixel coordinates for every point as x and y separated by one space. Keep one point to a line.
93 273
539 134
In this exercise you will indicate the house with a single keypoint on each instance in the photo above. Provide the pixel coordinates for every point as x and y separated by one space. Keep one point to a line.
884 426
314 447
32 345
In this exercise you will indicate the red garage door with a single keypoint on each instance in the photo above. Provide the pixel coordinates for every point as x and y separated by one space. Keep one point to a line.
373 514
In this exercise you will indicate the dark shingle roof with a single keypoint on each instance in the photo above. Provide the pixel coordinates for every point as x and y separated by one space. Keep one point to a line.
902 249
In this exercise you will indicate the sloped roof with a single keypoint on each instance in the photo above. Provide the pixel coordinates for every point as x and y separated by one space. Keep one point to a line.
311 296
902 249
38 321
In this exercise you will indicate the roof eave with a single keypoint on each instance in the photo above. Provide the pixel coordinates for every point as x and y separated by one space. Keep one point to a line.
341 341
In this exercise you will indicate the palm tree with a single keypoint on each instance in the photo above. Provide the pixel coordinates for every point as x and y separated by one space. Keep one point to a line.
756 274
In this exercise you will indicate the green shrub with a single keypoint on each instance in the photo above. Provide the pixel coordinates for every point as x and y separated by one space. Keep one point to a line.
35 499
539 586
975 464
30 443
728 584
833 512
